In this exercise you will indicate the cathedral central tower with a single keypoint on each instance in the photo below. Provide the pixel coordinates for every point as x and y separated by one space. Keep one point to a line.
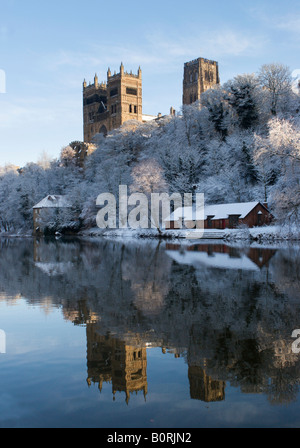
199 76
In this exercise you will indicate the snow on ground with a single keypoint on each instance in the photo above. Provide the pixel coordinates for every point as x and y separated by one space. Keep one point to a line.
264 234
267 234
259 235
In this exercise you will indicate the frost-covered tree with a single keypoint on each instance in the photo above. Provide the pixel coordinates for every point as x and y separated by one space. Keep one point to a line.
244 96
276 79
221 113
280 151
148 178
68 156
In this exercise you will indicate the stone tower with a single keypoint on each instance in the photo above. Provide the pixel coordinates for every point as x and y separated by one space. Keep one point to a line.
199 76
107 105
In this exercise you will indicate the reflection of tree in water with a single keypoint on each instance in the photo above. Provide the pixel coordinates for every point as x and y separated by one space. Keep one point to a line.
286 271
149 279
284 386
230 324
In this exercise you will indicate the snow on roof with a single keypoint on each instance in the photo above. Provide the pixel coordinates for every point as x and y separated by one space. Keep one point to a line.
53 201
218 211
146 117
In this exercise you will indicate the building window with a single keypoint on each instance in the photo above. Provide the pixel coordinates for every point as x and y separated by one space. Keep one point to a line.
130 108
114 92
135 109
103 130
191 98
233 221
130 91
209 76
259 218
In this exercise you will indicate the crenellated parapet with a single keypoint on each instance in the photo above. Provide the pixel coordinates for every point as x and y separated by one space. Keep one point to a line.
107 105
95 85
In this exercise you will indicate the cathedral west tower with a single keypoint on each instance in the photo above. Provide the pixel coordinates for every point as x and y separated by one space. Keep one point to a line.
107 105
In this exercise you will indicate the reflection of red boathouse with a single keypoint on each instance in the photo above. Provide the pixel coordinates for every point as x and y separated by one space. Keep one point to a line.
259 256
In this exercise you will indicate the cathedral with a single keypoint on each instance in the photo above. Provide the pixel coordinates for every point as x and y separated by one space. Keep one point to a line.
107 105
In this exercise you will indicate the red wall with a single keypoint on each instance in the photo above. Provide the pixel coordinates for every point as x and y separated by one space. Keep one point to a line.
251 220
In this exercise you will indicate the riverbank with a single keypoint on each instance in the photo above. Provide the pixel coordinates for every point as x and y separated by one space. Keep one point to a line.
257 234
266 234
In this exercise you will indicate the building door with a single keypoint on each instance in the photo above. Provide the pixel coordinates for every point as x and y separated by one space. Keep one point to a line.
233 221
259 219
209 222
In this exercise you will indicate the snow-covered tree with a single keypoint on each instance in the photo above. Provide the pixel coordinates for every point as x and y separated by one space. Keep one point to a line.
221 113
276 79
280 152
244 95
68 156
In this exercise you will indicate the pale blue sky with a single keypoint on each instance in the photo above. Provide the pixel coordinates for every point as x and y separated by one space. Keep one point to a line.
48 48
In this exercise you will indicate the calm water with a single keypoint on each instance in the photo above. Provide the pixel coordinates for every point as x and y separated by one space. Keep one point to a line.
147 335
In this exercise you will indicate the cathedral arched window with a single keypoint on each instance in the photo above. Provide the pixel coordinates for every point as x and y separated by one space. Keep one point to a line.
103 130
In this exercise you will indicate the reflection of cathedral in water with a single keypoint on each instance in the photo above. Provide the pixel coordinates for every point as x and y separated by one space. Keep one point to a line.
111 360
228 311
203 387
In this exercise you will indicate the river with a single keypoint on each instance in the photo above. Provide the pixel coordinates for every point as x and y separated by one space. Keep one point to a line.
148 334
